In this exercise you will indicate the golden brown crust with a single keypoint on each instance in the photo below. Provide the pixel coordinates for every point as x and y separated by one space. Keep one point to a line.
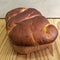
14 12
20 16
27 27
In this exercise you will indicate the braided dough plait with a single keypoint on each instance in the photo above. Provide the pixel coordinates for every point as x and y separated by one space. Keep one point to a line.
27 27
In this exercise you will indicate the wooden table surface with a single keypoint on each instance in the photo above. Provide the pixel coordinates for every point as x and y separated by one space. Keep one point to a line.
7 52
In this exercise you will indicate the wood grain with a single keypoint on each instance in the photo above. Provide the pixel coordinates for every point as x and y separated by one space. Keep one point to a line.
7 52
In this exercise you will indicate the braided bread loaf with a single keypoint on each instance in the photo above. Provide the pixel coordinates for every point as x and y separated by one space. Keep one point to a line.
28 29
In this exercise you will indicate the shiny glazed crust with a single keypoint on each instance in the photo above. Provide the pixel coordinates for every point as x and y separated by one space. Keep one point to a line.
27 27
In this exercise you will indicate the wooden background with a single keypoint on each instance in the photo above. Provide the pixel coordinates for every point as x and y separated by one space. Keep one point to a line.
7 52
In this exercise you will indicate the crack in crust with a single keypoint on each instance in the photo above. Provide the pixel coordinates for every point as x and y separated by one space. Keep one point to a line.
16 13
12 23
